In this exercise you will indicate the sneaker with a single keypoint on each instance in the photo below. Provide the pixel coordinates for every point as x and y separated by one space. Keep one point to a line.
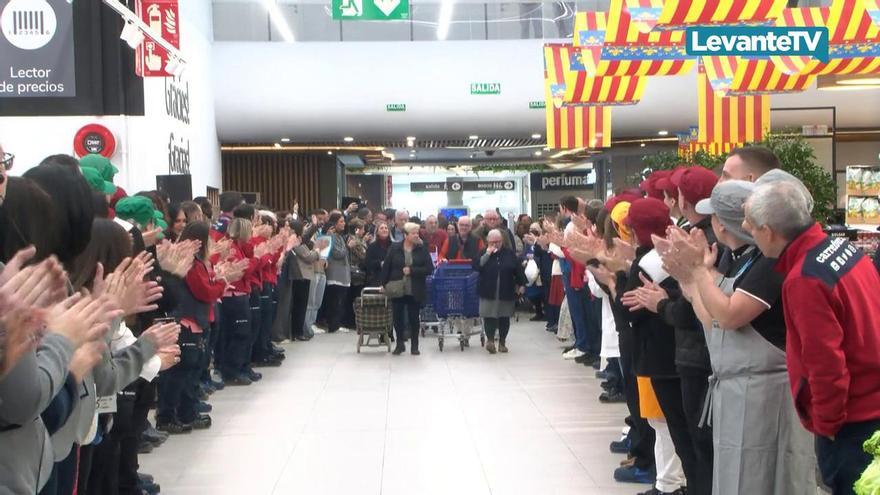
173 427
317 330
218 383
267 362
145 478
154 436
204 407
301 338
586 359
345 330
620 446
611 398
255 376
150 488
203 422
399 350
634 475
239 380
601 375
629 461
568 349
145 447
415 352
490 346
654 491
274 349
502 348
285 341
573 354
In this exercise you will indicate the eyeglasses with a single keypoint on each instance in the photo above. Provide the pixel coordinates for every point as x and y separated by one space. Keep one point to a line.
7 160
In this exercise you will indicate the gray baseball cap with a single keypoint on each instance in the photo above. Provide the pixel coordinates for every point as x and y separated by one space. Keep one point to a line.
726 202
779 175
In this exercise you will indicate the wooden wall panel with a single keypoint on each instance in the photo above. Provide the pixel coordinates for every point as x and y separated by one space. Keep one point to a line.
280 178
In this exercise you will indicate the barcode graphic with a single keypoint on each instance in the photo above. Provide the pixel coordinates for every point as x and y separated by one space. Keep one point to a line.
28 22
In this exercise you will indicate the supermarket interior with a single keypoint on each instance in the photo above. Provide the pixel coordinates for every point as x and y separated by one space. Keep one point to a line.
440 246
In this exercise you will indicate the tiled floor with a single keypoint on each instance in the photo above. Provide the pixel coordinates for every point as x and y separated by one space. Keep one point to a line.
331 421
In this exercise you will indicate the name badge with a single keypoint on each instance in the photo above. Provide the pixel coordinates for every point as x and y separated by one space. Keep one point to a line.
106 404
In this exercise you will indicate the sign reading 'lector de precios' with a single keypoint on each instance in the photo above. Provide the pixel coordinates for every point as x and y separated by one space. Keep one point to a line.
370 10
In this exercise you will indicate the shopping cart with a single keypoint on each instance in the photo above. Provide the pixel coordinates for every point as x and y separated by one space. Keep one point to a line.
428 320
457 303
374 318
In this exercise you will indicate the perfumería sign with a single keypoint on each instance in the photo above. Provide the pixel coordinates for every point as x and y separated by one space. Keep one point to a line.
485 88
758 41
561 181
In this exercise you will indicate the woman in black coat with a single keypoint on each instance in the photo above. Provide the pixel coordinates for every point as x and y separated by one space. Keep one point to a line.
376 253
501 278
408 261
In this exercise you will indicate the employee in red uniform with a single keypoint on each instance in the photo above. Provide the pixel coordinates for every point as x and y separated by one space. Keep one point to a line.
833 337
264 353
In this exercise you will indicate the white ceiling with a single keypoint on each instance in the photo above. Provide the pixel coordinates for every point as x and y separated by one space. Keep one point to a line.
324 91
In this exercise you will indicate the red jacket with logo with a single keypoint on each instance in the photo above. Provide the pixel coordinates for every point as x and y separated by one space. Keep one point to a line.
832 316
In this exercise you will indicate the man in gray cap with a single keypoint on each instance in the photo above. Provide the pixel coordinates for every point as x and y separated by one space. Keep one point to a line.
745 331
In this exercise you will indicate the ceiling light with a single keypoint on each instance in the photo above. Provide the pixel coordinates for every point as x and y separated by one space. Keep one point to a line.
348 139
444 18
473 136
850 87
862 81
277 145
537 153
412 151
329 152
663 133
132 35
278 20
285 140
536 136
848 82
410 138
642 145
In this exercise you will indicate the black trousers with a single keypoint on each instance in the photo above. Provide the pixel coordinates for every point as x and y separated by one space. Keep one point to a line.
236 335
140 396
668 391
501 324
641 435
843 459
538 303
406 320
335 297
694 386
354 292
256 322
263 344
178 385
299 304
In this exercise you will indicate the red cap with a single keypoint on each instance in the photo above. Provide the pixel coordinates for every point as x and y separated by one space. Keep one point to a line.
628 195
649 185
696 183
120 193
648 216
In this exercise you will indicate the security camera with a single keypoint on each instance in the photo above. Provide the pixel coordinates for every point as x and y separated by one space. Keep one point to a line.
490 152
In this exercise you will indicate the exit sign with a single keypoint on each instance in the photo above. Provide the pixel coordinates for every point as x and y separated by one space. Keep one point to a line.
395 107
484 88
537 104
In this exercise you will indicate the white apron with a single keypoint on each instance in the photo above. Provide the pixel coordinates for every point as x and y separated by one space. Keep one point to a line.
761 448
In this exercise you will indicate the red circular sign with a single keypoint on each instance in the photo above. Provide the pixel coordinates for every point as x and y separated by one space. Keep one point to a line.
94 138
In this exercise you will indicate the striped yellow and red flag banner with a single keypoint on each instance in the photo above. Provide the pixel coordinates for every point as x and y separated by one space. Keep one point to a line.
731 119
581 89
736 76
571 127
609 44
854 40
676 14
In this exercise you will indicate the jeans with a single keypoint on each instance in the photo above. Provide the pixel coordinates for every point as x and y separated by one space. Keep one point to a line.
316 297
577 307
843 460
406 317
503 326
236 335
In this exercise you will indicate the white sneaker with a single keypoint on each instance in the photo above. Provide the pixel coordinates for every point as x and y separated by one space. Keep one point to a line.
316 330
285 341
572 354
344 330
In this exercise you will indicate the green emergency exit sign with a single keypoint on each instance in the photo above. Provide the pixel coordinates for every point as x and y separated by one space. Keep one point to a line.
485 88
395 107
537 104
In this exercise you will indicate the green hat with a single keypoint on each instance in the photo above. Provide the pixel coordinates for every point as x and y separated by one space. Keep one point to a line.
138 209
100 163
93 177
159 219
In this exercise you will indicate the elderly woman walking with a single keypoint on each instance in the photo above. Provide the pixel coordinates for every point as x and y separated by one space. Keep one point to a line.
501 278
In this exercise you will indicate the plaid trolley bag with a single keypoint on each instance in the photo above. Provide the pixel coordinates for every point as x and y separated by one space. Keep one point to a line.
373 318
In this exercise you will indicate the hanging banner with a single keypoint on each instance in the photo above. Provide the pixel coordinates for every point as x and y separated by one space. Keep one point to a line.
873 8
676 14
737 76
163 18
36 49
733 119
570 127
854 41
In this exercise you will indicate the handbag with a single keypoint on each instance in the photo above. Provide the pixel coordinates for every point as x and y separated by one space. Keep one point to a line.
395 289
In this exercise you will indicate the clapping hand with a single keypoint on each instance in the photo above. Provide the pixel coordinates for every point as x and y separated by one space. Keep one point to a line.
232 271
580 221
129 289
162 335
177 258
151 237
168 356
221 247
82 318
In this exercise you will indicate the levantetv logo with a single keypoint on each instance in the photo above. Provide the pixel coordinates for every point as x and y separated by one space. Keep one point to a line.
758 41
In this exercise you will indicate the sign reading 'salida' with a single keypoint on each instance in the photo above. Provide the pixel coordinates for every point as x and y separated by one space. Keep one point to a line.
460 185
370 10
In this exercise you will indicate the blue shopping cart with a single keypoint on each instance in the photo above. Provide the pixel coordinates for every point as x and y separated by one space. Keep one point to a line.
456 302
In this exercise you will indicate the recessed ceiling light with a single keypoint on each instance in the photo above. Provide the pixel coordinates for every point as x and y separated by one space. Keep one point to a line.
412 151
329 152
348 139
537 153
642 145
410 138
536 136
285 140
663 133
473 136
277 145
